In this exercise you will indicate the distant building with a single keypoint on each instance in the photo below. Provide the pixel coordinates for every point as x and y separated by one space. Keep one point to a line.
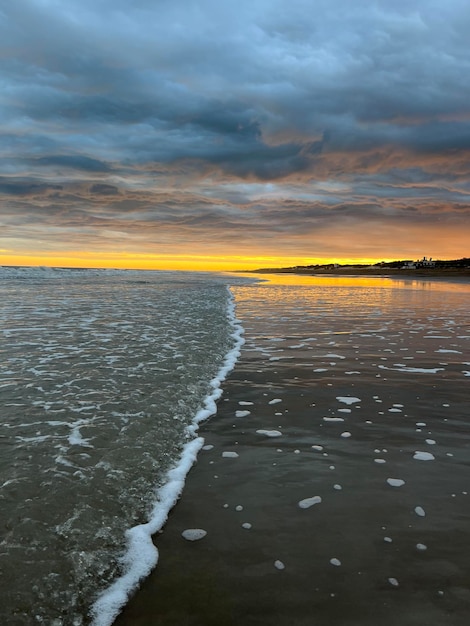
413 265
426 262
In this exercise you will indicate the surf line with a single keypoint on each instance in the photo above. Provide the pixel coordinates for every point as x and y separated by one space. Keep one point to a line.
142 555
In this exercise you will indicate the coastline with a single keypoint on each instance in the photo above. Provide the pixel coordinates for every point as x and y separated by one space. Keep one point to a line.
359 550
453 274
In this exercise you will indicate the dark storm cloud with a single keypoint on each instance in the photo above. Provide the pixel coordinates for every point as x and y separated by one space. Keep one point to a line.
25 188
104 190
77 162
117 106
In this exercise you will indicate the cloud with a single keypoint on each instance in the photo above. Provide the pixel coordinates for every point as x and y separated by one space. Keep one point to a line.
104 190
355 113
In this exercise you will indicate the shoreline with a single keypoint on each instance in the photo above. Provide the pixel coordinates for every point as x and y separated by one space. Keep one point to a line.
303 526
430 274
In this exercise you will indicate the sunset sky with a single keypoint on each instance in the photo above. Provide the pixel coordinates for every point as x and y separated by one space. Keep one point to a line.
223 134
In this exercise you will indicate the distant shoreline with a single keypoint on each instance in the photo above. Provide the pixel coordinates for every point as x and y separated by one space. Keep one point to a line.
386 272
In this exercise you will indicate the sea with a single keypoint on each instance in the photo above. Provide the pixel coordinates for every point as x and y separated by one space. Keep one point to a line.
106 376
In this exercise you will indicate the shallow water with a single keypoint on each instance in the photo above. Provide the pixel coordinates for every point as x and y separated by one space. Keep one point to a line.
100 385
101 375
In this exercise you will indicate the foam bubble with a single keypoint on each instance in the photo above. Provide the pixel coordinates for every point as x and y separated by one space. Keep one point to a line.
308 502
348 399
194 534
423 456
395 482
269 433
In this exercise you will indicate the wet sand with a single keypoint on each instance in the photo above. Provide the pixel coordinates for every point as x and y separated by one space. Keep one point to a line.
451 273
356 558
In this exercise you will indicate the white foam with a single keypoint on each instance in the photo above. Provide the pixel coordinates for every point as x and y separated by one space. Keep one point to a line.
275 401
421 547
246 525
227 454
380 461
346 434
395 482
242 413
423 456
279 565
308 502
348 399
333 419
194 534
413 370
335 562
337 487
420 511
142 555
394 582
245 403
269 433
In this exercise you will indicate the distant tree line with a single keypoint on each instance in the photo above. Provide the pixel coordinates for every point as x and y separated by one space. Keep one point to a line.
465 262
437 264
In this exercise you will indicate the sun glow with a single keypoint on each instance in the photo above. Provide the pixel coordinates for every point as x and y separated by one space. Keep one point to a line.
166 262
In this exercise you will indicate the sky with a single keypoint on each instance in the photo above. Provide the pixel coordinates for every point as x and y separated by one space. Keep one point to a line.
223 134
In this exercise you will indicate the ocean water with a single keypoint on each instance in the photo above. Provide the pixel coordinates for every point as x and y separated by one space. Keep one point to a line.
105 376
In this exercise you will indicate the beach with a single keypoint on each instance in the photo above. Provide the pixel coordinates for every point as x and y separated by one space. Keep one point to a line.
429 273
333 484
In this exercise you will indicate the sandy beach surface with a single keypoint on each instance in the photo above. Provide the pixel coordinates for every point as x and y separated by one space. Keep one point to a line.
334 485
450 273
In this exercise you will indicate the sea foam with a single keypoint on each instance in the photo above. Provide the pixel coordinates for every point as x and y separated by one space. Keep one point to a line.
142 555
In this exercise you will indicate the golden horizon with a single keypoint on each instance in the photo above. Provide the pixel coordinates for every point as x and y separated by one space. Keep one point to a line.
180 262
